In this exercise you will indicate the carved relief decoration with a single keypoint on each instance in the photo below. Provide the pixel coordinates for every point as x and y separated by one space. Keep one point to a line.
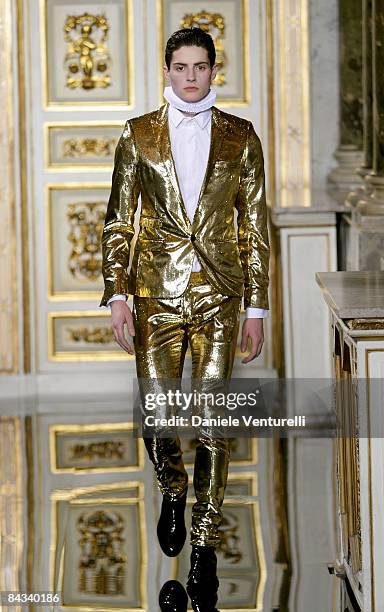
102 565
87 59
107 449
86 220
88 147
91 335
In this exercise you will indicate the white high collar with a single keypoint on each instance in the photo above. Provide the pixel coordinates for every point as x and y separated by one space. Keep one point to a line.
189 107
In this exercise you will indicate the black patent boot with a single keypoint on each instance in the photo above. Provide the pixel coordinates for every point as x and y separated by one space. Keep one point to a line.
172 597
171 530
203 584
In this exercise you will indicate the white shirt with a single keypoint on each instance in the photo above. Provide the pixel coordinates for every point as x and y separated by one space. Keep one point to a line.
190 143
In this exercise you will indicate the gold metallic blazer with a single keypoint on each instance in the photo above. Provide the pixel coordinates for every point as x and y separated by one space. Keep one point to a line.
236 263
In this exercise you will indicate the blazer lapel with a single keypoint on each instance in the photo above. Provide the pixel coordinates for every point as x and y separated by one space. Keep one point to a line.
163 141
218 128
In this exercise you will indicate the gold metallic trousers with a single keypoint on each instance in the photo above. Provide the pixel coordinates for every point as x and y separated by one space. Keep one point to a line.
208 321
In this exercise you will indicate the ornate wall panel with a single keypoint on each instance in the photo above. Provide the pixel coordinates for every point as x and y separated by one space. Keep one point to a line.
82 46
85 146
85 63
101 448
82 335
105 548
227 22
75 219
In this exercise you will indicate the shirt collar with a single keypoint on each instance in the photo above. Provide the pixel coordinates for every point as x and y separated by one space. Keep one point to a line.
177 117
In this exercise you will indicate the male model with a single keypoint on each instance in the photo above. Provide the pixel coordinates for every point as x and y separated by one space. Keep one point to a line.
193 165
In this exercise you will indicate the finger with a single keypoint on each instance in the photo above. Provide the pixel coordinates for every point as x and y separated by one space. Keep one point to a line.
255 352
244 341
260 347
130 324
118 332
121 341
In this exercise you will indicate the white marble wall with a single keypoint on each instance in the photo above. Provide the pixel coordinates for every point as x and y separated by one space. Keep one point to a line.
324 88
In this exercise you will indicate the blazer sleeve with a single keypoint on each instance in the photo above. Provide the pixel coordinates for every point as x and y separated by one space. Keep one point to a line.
252 223
119 220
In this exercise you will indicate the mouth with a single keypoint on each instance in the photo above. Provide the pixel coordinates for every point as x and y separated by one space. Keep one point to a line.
190 88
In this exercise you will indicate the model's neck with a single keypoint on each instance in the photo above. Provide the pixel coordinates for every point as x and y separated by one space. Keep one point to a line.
189 109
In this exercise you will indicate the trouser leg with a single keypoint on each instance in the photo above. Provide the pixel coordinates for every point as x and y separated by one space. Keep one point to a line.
213 339
160 344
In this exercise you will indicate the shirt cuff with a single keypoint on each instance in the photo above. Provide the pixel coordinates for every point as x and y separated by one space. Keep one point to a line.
117 296
256 313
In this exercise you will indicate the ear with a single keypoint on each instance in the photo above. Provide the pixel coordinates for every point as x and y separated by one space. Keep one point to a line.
166 72
214 72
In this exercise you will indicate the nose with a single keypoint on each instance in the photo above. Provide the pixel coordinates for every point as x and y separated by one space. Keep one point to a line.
191 74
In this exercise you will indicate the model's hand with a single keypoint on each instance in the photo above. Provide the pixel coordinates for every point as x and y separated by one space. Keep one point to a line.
121 315
253 331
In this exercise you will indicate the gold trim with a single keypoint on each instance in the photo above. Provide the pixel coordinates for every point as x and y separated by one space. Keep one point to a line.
92 428
24 201
65 295
243 102
11 487
301 196
64 356
305 71
51 167
270 56
9 296
30 484
70 495
83 105
368 376
365 323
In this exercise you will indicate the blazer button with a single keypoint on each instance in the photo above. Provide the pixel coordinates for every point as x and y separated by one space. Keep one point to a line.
193 237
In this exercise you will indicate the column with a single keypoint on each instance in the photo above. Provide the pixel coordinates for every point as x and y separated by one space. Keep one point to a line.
373 203
363 189
367 86
350 152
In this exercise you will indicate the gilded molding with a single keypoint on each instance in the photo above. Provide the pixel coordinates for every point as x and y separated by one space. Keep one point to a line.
11 504
8 287
293 103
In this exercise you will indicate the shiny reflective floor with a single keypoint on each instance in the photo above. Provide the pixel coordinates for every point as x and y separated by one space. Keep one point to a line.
79 507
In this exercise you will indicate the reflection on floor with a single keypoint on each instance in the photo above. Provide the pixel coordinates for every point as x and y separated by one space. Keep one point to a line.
80 508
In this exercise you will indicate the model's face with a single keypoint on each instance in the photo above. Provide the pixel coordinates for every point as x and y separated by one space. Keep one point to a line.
190 74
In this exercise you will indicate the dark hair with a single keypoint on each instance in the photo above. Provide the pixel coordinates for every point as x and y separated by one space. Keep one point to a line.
188 37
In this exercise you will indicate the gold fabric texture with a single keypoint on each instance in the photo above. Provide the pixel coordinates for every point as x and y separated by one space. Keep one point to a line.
168 240
209 323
